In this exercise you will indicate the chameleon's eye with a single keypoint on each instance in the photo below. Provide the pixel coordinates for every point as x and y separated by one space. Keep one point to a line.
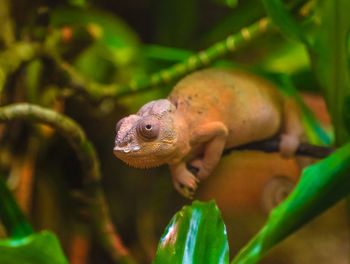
148 128
119 124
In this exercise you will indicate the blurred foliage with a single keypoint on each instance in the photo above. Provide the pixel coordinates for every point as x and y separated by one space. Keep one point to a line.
321 186
114 51
327 47
49 49
24 246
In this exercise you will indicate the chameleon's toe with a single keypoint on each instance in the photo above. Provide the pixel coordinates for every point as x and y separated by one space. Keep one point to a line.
202 171
186 184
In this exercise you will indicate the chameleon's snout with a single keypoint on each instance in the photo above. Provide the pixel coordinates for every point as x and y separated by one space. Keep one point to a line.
125 149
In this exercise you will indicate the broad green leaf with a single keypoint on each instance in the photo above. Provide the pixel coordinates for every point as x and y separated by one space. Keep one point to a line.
196 234
320 187
330 62
284 21
40 248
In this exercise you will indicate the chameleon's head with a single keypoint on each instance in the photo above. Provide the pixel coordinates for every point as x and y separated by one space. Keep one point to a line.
147 139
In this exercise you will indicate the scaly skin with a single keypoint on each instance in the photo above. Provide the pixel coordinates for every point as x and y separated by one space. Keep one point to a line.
206 112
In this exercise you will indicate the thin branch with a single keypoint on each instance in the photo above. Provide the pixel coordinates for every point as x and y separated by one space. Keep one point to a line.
90 164
272 145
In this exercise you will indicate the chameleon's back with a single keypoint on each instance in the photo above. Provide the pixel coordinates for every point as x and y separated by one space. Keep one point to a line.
249 106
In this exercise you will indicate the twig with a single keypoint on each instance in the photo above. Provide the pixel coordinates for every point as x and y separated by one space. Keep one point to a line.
272 145
90 165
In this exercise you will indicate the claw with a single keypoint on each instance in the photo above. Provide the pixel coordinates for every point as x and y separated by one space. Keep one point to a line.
184 191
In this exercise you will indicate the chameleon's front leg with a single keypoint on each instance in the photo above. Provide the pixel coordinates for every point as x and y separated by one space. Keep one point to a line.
184 181
213 136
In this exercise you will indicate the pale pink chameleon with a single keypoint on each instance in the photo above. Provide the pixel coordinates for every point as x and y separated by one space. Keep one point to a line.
207 112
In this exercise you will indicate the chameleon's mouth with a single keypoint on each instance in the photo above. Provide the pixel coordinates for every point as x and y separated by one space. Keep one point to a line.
126 150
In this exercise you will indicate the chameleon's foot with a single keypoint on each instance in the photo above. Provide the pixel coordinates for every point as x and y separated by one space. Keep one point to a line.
288 145
202 170
186 184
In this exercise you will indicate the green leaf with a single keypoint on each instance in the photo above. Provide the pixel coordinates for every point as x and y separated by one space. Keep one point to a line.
40 248
166 53
330 62
288 57
328 54
196 234
95 63
11 215
320 187
284 21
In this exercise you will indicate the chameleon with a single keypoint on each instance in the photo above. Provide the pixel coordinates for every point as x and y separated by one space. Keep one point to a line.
206 112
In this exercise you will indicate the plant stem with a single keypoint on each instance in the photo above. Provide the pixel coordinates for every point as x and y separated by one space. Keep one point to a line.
272 145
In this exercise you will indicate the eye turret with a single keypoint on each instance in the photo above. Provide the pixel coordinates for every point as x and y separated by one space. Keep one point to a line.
148 128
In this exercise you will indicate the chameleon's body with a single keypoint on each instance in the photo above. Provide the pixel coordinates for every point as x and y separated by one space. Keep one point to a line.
206 112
